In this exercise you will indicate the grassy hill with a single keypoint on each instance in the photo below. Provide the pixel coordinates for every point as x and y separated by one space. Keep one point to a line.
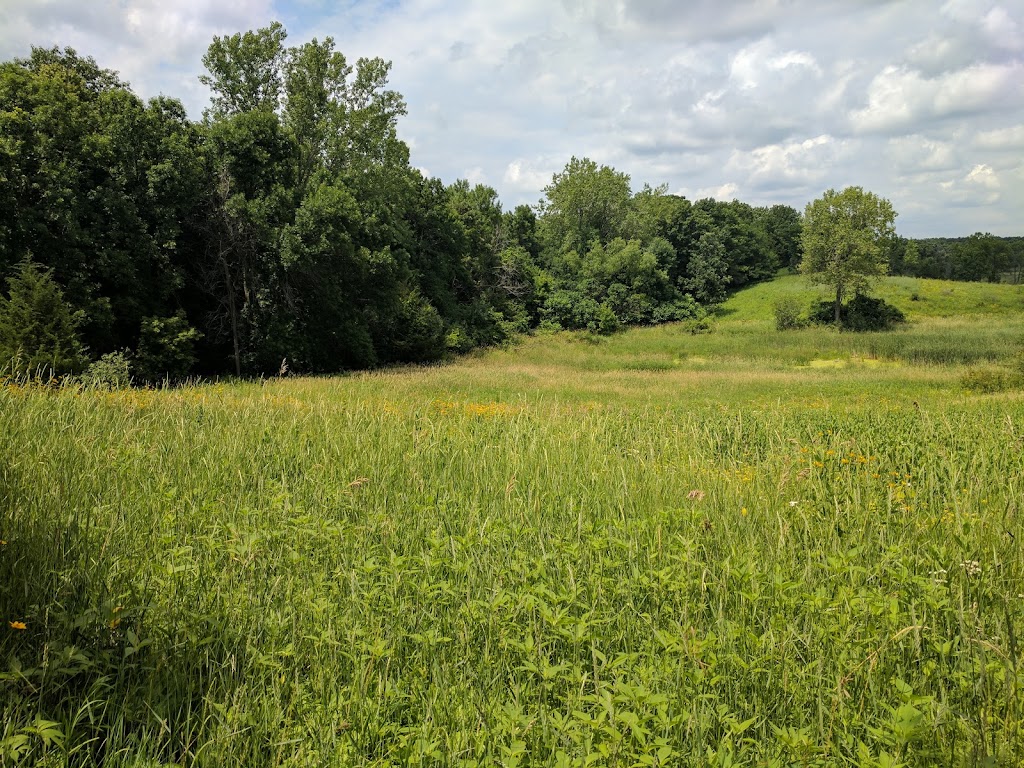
741 356
918 298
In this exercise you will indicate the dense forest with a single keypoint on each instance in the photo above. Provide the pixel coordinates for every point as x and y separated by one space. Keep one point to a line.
288 225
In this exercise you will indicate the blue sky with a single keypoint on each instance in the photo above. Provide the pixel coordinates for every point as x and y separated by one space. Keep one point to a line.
762 100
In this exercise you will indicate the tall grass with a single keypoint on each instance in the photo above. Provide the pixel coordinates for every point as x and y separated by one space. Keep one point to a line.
565 554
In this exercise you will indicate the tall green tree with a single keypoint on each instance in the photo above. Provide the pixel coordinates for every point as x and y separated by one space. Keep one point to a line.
244 71
98 187
708 270
585 202
844 234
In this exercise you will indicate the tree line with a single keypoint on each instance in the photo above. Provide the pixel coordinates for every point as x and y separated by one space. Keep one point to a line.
982 257
288 225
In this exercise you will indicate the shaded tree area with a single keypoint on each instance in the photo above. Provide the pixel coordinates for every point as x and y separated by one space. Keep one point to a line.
289 224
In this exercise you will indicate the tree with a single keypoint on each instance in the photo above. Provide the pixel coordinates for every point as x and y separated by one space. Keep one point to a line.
782 225
585 202
843 237
982 256
245 71
38 331
708 270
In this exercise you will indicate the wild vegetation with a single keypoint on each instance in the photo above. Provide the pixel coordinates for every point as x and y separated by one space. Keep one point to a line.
692 544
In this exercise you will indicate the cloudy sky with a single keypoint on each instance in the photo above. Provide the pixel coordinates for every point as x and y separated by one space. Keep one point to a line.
920 101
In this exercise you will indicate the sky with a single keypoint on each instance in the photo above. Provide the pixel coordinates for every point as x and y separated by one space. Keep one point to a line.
765 101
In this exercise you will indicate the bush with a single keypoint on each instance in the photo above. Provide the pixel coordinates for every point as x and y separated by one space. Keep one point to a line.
787 314
605 321
458 340
571 310
166 348
685 308
112 371
418 335
697 325
989 379
861 313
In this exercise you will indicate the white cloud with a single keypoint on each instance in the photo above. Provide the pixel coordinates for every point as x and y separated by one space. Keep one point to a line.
898 97
725 192
983 176
523 175
916 153
1002 138
795 164
1002 29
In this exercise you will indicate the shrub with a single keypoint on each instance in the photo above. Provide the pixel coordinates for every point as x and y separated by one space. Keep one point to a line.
112 371
166 348
685 308
787 314
697 325
419 330
861 313
605 321
458 340
572 310
991 378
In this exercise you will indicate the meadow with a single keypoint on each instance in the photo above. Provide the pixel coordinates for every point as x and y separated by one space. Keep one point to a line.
739 547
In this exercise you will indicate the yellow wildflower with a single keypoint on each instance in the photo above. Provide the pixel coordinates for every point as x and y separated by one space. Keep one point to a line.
17 624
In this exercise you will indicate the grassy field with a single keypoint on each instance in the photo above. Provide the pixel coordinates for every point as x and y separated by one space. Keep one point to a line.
741 547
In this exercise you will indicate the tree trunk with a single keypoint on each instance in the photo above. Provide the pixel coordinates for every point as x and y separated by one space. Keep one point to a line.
839 304
232 313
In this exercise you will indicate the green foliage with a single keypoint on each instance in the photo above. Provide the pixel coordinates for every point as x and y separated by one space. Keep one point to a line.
980 257
861 313
245 71
112 371
788 314
641 548
289 223
166 349
570 310
419 333
708 270
38 330
605 321
992 378
842 240
585 202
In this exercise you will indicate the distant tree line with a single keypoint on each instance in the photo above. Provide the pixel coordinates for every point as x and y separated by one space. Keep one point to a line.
982 257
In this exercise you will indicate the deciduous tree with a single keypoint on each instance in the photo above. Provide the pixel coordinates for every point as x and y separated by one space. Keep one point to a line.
843 237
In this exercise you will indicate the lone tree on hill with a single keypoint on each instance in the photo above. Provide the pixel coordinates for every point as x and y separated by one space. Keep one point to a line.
843 235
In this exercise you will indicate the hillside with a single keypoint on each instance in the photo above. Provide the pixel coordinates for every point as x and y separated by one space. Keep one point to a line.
918 298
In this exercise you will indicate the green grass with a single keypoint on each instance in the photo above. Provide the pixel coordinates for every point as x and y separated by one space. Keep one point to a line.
934 298
653 549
